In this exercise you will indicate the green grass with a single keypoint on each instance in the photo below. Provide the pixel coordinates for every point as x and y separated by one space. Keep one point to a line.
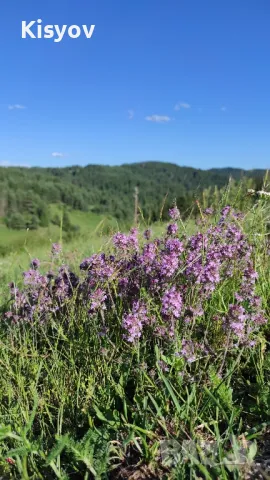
78 405
18 247
14 240
90 225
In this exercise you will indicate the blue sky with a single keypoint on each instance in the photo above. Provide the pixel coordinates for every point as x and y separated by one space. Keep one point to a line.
184 81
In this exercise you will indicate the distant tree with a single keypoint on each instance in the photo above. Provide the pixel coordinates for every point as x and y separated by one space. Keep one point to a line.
16 221
32 222
43 215
44 219
11 203
109 190
66 222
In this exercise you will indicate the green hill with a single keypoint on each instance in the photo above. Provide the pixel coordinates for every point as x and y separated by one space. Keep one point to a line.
26 192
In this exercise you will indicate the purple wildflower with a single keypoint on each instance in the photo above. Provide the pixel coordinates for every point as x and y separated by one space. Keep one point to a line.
149 252
172 303
35 263
169 264
56 249
226 211
133 322
126 242
174 213
178 276
172 229
99 267
147 234
97 300
148 257
191 313
236 320
174 245
258 319
34 278
188 351
163 366
208 211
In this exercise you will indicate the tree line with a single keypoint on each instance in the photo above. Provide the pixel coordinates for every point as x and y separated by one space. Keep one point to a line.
26 193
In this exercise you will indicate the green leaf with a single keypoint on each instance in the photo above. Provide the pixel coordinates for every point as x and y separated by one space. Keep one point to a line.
57 449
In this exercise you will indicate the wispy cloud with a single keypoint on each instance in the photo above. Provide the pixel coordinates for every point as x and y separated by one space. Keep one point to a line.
131 114
181 105
58 154
7 163
223 109
158 118
17 106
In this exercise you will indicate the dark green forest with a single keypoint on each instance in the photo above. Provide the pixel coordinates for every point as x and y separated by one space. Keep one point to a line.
25 193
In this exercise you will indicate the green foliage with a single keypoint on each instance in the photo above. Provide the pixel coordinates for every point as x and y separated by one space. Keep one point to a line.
16 221
43 215
110 190
56 220
75 404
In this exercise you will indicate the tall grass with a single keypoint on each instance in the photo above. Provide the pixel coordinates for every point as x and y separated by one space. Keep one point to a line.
78 400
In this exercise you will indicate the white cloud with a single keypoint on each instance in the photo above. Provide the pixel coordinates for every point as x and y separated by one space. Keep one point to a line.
58 154
131 114
16 107
223 109
180 105
158 118
7 163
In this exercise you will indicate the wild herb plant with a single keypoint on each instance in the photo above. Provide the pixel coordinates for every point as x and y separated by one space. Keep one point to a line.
153 341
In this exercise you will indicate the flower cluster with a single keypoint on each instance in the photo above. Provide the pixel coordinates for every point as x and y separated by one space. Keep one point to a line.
97 300
126 242
133 322
174 213
56 249
176 276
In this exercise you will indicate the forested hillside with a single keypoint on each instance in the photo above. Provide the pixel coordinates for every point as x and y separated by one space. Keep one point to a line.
25 193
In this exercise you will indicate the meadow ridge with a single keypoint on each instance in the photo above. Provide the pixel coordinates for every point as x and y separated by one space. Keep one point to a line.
146 359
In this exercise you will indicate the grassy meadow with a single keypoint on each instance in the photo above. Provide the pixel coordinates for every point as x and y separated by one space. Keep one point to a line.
148 362
18 247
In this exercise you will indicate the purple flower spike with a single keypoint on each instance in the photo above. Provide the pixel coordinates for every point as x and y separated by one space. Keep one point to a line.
56 249
147 234
225 211
97 300
133 322
35 263
174 213
172 303
126 242
172 229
